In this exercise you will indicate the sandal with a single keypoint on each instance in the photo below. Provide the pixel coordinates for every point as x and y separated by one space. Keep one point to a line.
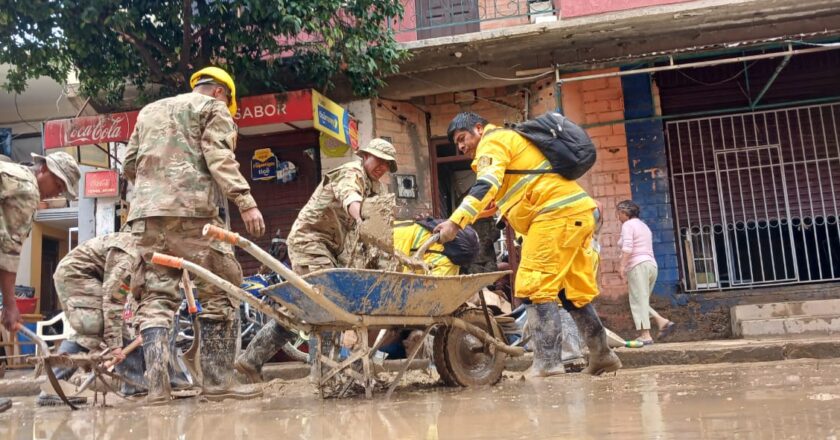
665 331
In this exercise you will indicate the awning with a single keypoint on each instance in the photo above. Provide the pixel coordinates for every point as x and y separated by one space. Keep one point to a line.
257 115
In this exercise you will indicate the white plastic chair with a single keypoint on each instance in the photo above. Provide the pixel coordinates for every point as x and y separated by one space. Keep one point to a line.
67 331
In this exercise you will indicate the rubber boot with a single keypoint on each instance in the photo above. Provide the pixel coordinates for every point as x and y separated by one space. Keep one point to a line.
547 336
601 357
132 369
216 352
179 377
267 342
63 373
156 354
572 352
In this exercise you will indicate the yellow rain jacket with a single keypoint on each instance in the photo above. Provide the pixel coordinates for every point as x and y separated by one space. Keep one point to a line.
555 215
409 236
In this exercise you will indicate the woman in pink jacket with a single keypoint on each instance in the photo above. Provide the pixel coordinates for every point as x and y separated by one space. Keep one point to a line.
638 267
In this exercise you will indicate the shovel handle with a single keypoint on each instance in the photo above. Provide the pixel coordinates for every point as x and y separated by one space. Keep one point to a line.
220 234
188 292
167 260
136 343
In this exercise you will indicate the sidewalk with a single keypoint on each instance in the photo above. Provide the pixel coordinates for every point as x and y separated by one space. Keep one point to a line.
21 382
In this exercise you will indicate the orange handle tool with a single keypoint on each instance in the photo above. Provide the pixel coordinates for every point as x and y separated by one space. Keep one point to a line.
167 260
220 234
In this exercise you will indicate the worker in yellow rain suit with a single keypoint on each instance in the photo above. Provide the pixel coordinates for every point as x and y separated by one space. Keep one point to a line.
556 216
445 260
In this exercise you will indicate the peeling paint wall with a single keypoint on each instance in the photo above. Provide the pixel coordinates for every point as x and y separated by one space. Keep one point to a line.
649 182
405 125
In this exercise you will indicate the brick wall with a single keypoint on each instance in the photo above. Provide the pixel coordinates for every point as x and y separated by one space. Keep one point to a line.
405 125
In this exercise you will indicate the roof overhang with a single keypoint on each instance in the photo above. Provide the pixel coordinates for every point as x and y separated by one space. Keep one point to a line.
442 65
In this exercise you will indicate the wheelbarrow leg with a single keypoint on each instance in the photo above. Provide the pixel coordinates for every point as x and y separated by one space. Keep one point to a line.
316 362
366 364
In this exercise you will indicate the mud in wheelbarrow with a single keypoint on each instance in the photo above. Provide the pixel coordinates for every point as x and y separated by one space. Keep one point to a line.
325 303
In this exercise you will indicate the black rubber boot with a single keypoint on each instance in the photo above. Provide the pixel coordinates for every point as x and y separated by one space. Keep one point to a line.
547 335
132 369
268 341
601 357
156 354
63 373
217 349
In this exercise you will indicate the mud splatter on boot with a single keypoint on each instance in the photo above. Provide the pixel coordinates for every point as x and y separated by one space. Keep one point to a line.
268 341
601 357
156 354
217 348
132 369
547 335
63 373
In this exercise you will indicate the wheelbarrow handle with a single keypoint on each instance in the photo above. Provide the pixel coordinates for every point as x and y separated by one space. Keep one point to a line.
167 260
217 233
221 234
421 251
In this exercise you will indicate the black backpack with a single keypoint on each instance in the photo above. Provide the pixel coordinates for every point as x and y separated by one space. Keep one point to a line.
565 144
462 250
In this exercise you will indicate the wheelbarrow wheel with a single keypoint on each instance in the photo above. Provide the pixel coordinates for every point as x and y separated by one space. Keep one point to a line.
462 359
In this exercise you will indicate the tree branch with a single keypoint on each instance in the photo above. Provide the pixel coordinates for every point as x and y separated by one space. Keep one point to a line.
186 40
145 53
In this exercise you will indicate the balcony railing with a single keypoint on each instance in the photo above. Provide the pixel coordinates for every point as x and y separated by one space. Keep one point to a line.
439 18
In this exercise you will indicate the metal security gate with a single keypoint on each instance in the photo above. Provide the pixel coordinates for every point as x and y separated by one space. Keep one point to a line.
755 197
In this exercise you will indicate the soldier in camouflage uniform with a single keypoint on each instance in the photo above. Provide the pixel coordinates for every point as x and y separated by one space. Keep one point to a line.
181 161
317 238
93 283
21 188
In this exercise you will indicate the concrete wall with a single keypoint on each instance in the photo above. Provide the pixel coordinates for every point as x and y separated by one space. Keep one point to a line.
405 125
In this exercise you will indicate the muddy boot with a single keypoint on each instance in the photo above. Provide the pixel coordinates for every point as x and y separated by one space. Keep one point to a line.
216 352
132 369
63 373
547 336
268 341
572 352
179 377
601 357
156 354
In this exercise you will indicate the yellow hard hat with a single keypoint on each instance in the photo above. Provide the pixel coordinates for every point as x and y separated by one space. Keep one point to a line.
220 76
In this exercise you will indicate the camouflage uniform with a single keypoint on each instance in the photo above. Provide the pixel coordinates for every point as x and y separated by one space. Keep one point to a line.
92 283
180 159
318 235
19 197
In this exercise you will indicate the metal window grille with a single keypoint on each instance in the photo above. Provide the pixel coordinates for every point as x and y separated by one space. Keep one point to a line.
755 197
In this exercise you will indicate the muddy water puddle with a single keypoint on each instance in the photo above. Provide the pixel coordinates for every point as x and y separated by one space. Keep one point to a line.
793 399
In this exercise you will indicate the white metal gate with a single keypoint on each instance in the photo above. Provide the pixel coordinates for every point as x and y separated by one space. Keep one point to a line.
755 197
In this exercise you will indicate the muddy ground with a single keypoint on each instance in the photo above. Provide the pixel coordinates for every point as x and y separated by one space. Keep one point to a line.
788 399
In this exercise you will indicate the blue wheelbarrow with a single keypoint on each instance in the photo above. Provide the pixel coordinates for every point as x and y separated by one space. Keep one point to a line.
468 350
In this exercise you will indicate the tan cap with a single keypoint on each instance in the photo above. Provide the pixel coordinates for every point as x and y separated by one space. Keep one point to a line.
64 167
4 158
383 150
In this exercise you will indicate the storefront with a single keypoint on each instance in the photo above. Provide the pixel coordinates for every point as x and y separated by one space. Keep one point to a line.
282 140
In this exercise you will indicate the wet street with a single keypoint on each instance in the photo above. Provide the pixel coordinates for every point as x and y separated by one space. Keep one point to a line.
790 399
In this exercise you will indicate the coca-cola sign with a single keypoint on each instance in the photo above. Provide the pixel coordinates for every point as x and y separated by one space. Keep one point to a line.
87 130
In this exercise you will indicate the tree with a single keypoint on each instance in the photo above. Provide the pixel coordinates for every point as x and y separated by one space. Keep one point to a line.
155 45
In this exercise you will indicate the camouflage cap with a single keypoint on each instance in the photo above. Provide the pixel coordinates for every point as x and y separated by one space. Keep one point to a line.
63 166
383 150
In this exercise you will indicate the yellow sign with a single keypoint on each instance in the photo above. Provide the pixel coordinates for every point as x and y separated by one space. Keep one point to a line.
334 120
332 147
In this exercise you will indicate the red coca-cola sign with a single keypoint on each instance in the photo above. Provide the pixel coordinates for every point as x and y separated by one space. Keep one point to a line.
88 130
103 183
